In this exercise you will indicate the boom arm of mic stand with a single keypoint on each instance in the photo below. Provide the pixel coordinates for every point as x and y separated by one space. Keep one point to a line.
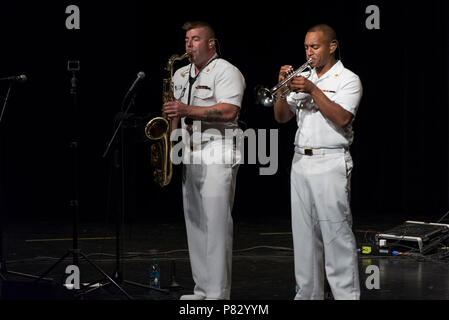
6 100
131 102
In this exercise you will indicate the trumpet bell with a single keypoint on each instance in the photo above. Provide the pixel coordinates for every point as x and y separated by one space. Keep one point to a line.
264 97
267 97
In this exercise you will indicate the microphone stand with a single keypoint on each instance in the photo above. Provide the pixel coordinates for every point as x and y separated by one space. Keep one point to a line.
2 261
120 214
74 203
3 269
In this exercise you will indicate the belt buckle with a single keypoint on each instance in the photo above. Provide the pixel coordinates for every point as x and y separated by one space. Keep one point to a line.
308 152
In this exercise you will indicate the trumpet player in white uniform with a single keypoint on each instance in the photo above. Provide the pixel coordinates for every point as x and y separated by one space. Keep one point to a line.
325 104
209 94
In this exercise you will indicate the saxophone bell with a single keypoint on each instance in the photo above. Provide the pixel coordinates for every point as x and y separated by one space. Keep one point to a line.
156 128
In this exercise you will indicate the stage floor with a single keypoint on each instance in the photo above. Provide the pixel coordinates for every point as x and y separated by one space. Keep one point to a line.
262 261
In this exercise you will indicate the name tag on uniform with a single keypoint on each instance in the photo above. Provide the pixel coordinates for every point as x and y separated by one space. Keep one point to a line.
203 87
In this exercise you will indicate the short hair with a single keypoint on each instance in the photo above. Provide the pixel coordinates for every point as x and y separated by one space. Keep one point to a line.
199 24
327 31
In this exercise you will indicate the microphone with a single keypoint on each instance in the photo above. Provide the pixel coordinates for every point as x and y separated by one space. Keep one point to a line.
140 77
22 78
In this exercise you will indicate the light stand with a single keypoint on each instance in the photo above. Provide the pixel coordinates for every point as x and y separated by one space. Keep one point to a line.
119 163
75 252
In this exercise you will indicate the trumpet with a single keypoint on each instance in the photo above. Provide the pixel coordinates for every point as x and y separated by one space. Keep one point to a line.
267 97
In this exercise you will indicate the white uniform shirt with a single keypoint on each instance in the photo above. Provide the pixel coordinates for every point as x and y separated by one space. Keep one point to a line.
218 82
343 87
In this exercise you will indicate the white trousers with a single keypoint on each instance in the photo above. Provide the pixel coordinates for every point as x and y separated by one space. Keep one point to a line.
208 197
324 243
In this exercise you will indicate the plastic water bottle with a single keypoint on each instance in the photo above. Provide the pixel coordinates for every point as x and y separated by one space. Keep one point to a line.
155 274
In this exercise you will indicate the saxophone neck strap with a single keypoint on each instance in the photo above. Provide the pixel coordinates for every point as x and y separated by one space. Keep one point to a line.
193 79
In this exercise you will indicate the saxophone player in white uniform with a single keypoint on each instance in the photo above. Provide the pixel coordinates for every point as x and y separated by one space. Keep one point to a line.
325 105
209 94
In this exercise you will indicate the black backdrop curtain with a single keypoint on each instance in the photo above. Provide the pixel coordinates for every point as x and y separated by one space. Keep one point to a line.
401 129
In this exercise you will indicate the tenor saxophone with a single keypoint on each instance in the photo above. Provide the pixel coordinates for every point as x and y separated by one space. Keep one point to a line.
159 130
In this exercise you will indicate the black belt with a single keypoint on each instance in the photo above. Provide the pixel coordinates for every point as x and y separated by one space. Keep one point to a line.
319 151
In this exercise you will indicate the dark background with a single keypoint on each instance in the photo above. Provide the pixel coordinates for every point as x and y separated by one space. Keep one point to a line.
401 130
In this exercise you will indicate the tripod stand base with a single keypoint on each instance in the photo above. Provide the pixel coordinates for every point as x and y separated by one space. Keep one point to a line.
28 276
4 271
76 253
99 285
